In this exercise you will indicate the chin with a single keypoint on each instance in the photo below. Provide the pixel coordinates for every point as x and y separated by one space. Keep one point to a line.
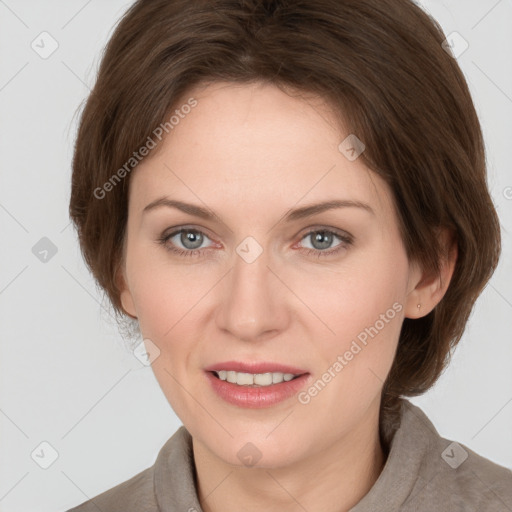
256 451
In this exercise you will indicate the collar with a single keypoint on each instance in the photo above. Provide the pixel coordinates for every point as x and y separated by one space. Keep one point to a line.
175 481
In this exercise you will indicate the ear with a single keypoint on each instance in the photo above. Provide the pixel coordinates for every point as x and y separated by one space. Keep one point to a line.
429 289
125 295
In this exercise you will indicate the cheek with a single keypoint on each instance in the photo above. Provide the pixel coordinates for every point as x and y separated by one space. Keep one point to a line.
361 309
164 292
368 290
336 303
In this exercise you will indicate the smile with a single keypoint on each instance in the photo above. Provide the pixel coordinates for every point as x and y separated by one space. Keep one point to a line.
254 379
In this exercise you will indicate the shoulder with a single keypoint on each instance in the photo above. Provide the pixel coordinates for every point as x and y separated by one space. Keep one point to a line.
456 478
168 481
451 476
135 494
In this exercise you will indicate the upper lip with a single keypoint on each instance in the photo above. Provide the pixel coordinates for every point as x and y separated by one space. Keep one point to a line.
255 367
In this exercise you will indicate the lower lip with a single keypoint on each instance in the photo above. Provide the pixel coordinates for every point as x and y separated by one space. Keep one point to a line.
256 397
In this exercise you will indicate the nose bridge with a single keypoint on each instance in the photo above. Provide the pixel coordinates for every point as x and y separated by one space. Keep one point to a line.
251 304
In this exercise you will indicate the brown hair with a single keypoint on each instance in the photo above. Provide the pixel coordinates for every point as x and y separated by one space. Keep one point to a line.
380 65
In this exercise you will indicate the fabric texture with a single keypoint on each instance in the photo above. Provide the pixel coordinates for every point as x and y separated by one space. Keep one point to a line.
423 473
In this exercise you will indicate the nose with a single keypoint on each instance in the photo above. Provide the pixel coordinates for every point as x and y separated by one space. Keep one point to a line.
253 300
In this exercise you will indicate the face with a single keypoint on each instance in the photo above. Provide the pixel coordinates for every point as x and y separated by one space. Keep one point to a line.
262 285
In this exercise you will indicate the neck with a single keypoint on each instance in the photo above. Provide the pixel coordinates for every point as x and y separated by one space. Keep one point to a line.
332 480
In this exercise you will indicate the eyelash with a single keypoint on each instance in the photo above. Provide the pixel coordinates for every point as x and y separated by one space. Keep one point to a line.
345 238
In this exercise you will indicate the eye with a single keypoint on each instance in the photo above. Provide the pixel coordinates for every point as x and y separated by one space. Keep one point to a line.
322 240
190 239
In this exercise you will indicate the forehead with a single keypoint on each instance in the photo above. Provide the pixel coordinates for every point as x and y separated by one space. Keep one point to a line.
255 142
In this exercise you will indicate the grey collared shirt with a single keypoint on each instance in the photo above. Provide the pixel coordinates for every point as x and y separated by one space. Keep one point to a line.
423 473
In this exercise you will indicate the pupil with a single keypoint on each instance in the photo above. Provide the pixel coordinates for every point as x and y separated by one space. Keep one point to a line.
191 236
324 239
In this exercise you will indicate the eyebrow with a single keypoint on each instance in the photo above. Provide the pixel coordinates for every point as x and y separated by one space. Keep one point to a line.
293 215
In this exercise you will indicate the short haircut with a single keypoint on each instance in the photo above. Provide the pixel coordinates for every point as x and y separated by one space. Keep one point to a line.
381 66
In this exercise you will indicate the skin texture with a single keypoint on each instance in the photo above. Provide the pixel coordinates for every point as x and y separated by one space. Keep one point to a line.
250 153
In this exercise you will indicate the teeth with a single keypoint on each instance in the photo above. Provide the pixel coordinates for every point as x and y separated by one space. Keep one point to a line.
254 379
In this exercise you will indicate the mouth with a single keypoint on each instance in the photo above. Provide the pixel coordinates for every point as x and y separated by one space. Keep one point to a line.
254 380
256 384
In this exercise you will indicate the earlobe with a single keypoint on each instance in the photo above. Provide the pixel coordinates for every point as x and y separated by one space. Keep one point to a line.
430 288
125 295
127 303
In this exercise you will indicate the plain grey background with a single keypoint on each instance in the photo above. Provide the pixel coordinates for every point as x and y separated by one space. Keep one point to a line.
66 377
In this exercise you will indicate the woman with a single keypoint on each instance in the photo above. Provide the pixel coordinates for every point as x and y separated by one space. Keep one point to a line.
290 200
